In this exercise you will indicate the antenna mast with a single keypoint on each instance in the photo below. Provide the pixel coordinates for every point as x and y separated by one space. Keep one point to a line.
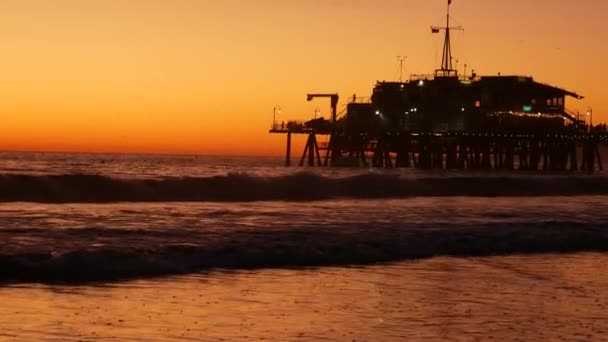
401 60
446 59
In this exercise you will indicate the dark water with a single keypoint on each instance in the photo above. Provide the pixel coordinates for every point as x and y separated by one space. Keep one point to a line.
93 228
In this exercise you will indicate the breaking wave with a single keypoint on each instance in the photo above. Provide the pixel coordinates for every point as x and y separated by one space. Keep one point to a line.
238 187
277 248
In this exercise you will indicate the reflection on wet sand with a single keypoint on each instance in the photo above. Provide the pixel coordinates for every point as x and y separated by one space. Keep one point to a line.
543 297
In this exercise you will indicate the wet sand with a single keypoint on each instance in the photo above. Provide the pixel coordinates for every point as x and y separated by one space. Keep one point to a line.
525 298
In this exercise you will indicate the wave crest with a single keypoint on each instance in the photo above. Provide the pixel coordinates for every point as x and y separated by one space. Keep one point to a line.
284 248
239 187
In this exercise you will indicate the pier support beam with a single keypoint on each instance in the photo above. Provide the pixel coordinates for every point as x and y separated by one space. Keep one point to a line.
288 151
590 153
599 157
523 155
428 150
486 162
403 153
311 150
573 157
534 155
509 161
462 155
451 161
334 150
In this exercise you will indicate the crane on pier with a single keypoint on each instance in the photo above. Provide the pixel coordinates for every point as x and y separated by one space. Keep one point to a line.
334 103
333 148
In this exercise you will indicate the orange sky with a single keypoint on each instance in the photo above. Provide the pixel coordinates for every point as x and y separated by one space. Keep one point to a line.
202 76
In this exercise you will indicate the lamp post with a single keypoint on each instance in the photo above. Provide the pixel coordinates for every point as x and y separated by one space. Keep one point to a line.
274 115
590 115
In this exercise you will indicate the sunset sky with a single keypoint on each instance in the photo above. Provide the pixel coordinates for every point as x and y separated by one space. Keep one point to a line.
203 76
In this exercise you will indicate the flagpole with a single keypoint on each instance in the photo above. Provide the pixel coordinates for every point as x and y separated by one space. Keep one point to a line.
448 21
447 63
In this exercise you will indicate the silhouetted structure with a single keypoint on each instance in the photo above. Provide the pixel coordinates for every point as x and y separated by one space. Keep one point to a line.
447 120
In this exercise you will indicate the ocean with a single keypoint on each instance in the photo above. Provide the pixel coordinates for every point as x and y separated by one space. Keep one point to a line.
160 248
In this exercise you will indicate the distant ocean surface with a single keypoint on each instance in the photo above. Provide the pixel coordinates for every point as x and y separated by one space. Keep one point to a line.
127 247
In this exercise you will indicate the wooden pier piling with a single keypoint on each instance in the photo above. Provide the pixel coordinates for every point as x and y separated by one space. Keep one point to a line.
453 150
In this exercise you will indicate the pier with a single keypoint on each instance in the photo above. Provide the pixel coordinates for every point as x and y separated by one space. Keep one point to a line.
556 151
449 120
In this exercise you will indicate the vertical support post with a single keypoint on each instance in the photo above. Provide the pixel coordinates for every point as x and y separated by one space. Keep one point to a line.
486 162
451 158
509 155
462 154
573 157
388 161
330 147
403 153
438 155
523 155
590 158
496 155
563 156
534 155
311 149
545 156
599 157
318 153
425 152
500 153
584 157
377 157
336 148
288 150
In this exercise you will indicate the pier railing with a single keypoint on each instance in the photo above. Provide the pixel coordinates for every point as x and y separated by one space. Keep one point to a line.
360 99
293 126
429 77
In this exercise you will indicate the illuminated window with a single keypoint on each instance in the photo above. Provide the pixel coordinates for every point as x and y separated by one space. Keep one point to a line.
533 101
560 101
555 101
477 104
548 102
